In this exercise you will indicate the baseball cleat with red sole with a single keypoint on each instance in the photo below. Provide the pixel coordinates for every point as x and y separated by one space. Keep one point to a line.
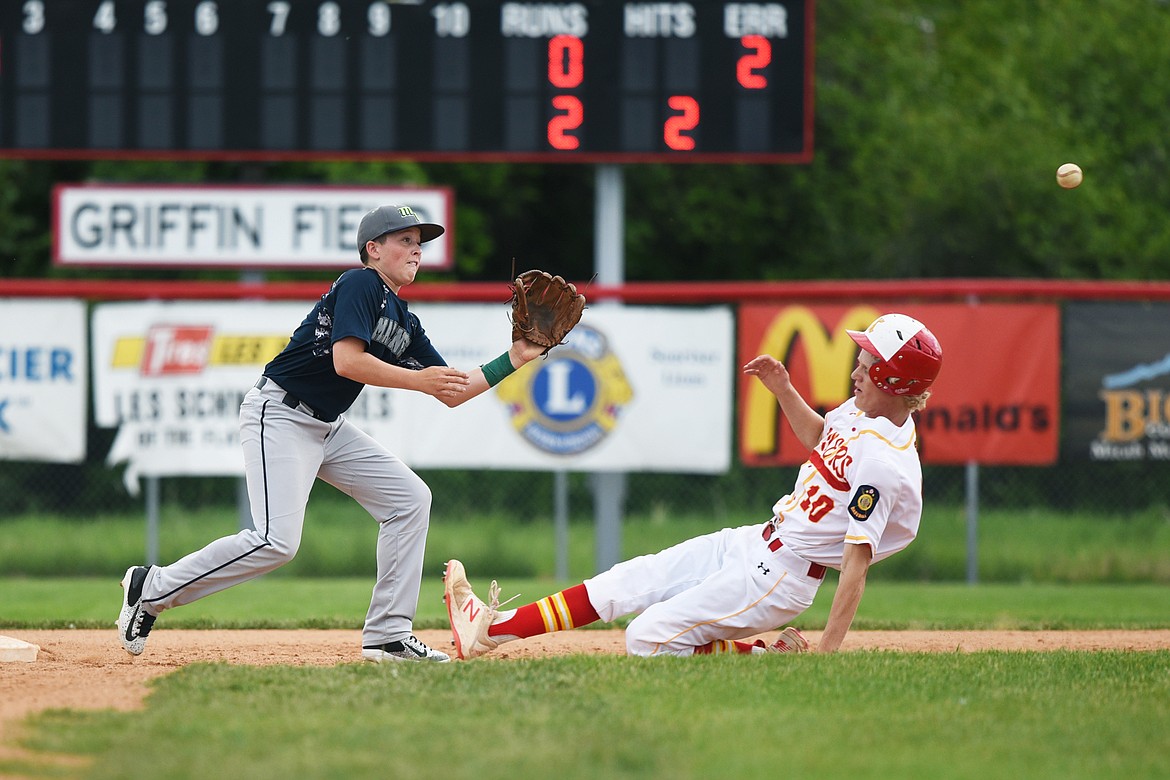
789 641
470 617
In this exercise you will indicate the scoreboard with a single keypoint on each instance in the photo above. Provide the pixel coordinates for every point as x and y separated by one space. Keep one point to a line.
477 80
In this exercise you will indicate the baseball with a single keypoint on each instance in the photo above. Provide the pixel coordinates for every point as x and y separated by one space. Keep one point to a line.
1069 175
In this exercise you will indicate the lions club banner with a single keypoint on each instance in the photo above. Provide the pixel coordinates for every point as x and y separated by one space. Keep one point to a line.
996 401
170 377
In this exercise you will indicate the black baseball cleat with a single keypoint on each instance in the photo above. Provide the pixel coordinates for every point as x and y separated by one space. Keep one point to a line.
409 649
134 623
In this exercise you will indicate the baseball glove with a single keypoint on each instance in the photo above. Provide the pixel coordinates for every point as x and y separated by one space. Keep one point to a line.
544 308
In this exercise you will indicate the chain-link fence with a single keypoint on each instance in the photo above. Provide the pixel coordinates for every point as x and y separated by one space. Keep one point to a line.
92 488
82 492
1102 383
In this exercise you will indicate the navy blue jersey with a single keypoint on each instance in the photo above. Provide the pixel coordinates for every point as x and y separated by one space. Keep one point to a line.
358 304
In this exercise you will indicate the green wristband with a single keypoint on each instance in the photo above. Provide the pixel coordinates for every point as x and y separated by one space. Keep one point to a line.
498 370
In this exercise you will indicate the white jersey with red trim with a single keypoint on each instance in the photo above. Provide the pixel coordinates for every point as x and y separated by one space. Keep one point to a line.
862 484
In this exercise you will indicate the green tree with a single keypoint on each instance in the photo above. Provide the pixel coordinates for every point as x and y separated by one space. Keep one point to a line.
938 131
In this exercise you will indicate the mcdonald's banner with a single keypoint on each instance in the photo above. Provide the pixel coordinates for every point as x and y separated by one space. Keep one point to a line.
996 401
1117 381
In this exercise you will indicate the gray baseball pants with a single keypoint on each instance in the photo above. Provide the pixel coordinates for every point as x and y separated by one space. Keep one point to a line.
285 450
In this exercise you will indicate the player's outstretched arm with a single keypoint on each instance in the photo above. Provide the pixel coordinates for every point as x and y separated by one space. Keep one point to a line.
802 418
522 351
352 361
850 587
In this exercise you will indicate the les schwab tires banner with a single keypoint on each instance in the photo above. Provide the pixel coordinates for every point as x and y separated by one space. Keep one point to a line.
996 401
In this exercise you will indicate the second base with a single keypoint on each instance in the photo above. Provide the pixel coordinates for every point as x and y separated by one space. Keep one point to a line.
16 650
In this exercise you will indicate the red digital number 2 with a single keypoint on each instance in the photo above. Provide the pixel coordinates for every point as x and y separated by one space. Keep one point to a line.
672 131
748 64
566 70
560 124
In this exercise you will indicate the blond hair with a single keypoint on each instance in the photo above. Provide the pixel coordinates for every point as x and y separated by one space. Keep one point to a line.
916 403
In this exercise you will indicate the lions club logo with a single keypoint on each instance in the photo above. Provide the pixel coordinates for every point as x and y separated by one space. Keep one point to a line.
571 400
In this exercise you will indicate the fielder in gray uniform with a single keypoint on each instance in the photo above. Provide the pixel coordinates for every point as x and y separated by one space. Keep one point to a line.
292 431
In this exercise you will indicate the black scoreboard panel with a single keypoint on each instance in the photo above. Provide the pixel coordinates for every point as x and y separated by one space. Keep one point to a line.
370 79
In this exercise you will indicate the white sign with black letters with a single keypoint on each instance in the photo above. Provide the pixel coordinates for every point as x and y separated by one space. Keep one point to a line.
233 227
43 380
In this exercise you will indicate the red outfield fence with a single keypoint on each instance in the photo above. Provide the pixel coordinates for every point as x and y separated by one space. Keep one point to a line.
631 292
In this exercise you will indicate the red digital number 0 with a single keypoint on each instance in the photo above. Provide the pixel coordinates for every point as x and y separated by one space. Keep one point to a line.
566 70
761 57
672 131
566 61
560 124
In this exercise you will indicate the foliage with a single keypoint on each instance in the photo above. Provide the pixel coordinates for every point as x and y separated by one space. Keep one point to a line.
938 131
24 242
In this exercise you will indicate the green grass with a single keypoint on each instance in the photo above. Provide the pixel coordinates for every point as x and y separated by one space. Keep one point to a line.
283 602
1059 715
1033 545
858 715
1013 547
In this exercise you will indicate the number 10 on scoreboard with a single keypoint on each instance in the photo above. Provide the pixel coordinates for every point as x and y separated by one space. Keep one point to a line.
566 70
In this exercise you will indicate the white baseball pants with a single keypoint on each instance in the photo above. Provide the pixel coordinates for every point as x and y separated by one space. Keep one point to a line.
724 585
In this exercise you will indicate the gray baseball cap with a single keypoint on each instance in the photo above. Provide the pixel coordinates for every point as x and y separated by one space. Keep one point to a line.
389 219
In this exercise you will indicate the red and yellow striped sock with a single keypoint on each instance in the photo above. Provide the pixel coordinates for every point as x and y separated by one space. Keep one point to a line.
561 611
727 646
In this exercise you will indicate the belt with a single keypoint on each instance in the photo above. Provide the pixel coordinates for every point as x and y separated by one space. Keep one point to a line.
290 400
815 570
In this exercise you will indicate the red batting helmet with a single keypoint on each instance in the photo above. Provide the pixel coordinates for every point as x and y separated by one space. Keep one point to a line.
908 355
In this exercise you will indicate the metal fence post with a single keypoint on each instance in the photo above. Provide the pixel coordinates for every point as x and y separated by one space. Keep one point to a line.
152 519
561 523
972 522
609 489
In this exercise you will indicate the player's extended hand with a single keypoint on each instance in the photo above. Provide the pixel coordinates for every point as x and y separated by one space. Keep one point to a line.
443 381
770 371
524 350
